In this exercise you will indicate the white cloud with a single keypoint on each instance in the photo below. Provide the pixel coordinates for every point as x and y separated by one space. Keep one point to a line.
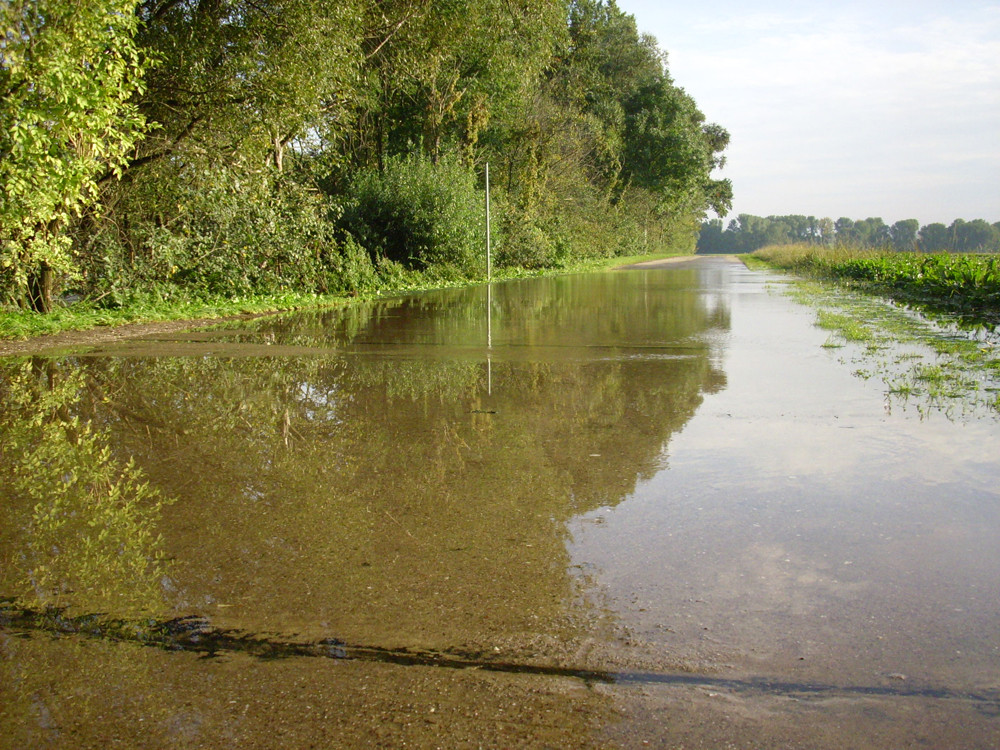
862 109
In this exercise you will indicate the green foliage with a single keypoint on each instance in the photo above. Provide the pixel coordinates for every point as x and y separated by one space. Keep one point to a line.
439 74
967 284
420 213
275 126
960 281
218 231
69 72
748 233
241 80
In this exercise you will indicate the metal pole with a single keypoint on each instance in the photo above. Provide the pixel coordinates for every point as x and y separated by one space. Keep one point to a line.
488 265
489 338
489 292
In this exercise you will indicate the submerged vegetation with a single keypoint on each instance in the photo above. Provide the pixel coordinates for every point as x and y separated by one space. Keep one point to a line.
158 152
944 363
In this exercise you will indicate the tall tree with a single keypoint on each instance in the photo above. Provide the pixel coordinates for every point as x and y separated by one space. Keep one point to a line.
973 236
212 197
438 73
245 78
904 234
934 237
69 70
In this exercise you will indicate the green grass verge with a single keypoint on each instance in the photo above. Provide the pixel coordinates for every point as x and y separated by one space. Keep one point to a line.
81 316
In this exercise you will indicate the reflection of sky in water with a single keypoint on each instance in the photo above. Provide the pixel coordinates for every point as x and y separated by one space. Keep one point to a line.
728 520
802 527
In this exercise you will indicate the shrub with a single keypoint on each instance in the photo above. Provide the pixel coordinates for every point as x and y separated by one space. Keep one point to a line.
526 240
419 213
219 232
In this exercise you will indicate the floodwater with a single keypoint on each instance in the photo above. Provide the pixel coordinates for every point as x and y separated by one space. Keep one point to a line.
636 508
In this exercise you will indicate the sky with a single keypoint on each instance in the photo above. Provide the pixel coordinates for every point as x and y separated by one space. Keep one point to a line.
856 109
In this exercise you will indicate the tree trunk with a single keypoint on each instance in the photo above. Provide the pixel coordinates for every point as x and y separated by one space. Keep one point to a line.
278 154
40 284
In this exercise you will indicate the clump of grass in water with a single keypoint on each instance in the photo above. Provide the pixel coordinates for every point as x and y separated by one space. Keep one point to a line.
902 388
963 365
845 325
833 343
946 380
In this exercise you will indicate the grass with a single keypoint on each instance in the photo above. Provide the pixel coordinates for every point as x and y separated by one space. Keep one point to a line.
80 316
20 324
848 327
965 284
927 361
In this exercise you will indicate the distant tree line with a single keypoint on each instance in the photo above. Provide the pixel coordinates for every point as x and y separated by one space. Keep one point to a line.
252 146
747 233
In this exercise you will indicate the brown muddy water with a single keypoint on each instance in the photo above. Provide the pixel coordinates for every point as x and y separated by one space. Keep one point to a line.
642 508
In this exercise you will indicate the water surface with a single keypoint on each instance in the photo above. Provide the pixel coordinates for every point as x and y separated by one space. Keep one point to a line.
622 507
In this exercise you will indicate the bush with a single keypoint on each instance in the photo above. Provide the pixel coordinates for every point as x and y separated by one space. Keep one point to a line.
420 214
351 270
526 240
221 232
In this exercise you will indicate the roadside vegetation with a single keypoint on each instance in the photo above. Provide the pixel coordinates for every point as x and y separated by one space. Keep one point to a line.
87 314
159 157
965 284
883 312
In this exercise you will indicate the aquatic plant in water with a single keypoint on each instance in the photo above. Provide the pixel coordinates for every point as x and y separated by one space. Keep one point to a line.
943 367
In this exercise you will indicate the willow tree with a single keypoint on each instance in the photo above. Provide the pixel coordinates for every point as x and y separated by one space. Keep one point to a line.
213 198
69 70
438 74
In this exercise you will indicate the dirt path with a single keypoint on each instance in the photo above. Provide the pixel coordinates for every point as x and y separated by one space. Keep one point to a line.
678 260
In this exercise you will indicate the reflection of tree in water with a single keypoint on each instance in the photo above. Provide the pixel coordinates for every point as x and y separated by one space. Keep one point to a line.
78 526
386 498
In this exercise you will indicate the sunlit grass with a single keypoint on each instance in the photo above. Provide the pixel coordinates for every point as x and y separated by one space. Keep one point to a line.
22 324
845 325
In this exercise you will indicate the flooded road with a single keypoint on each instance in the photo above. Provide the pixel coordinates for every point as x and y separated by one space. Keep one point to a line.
635 508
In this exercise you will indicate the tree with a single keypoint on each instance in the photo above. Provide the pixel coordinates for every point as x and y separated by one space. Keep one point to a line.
218 198
934 238
904 234
243 79
69 70
845 231
873 232
712 238
826 233
973 236
437 74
